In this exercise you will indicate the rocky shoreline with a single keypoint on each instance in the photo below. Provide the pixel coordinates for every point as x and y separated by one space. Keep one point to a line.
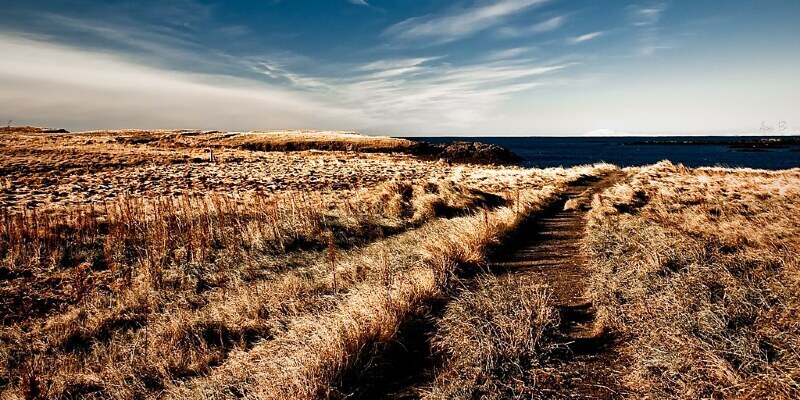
466 152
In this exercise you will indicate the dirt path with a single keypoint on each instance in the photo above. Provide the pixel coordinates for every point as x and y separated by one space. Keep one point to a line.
546 251
550 253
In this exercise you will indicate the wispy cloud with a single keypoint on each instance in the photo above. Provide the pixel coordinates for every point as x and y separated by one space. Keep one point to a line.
445 94
646 15
398 63
359 2
547 25
510 53
459 23
430 91
113 92
645 20
394 67
586 37
158 45
280 74
650 47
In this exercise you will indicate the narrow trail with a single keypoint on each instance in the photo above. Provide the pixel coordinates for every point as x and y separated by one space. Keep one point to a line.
545 251
549 252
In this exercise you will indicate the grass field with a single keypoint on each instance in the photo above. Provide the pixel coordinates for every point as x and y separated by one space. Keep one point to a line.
697 270
133 265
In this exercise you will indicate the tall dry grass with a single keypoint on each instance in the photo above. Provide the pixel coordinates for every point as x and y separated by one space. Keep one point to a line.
317 350
225 295
308 359
157 290
699 275
491 337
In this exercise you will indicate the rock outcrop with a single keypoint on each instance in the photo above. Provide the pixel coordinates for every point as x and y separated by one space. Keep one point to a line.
466 152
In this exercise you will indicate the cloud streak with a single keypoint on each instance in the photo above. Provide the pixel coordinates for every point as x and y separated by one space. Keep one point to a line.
645 20
425 91
433 92
89 90
646 15
586 37
158 45
459 23
547 25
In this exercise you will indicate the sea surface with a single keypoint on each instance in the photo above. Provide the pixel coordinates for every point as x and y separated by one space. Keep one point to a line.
691 151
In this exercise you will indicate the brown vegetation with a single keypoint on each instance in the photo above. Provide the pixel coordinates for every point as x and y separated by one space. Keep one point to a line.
117 271
307 361
531 332
196 293
133 264
492 337
40 170
698 274
312 140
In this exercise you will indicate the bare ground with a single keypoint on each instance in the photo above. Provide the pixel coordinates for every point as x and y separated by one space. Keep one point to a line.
586 367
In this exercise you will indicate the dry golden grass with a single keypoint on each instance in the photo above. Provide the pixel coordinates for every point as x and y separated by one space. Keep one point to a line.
317 349
314 140
699 275
133 266
491 337
187 273
56 170
201 291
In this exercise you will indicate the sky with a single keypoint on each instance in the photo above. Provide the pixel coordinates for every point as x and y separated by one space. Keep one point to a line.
404 67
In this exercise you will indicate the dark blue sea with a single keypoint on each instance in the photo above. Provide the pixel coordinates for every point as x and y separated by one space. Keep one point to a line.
693 151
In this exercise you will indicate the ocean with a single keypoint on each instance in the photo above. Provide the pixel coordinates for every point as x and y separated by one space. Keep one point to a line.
692 151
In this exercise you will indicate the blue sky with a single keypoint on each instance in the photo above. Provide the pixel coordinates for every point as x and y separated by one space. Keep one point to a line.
403 67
